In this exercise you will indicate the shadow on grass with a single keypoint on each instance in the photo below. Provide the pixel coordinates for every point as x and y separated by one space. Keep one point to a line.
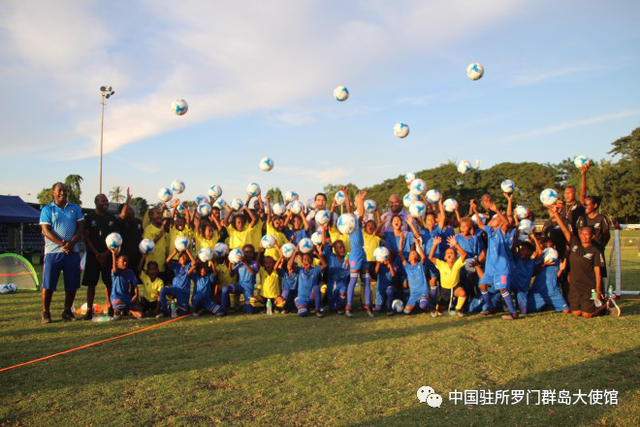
612 372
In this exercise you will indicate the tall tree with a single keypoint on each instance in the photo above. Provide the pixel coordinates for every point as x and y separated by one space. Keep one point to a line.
140 204
73 186
275 195
116 194
45 197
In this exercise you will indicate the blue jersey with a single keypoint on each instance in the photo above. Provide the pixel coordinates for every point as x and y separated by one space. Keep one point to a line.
297 235
244 276
385 278
499 255
123 282
427 242
547 280
391 241
415 277
522 273
181 279
471 245
444 245
63 223
289 281
356 241
202 285
307 280
337 270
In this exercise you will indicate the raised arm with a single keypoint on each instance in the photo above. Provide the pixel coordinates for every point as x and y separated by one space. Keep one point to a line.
171 255
127 204
583 182
347 200
454 244
268 208
360 203
474 209
537 243
323 262
435 242
441 215
509 197
254 218
114 268
304 221
565 230
143 259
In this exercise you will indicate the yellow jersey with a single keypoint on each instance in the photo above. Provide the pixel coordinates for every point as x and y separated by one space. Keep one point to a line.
237 239
281 239
270 283
150 289
371 242
159 253
449 277
175 233
224 275
334 235
203 242
256 234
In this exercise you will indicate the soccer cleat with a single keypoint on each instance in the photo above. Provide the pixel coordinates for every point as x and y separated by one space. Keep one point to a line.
434 314
46 317
459 314
162 314
485 312
509 317
88 315
116 317
370 313
195 314
68 316
319 314
348 313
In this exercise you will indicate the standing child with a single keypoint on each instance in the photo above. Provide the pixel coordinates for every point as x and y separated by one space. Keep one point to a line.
123 286
155 231
337 275
523 270
181 285
449 270
386 283
414 268
275 227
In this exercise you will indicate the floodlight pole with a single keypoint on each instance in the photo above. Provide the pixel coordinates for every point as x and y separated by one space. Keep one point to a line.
101 139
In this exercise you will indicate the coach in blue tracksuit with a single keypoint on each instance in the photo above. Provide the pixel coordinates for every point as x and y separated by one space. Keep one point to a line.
62 224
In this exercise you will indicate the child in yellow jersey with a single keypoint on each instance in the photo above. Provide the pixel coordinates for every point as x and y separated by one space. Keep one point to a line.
156 232
270 281
180 228
239 232
371 242
149 291
449 270
207 237
258 230
275 227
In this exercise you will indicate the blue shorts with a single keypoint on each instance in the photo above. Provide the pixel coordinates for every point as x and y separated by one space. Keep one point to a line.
498 281
121 304
205 302
61 262
358 263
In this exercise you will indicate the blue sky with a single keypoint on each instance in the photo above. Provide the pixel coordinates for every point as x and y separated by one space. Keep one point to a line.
560 80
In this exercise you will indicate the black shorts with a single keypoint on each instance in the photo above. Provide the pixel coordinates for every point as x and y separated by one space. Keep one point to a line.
92 271
581 301
446 295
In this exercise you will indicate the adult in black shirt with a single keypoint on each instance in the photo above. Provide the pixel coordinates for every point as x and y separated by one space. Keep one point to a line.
586 267
131 231
573 209
98 225
599 223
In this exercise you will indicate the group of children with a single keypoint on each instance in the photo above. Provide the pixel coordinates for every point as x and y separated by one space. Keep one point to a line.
484 268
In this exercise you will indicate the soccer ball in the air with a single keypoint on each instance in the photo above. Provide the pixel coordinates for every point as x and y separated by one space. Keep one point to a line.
507 186
236 204
204 209
550 255
433 196
296 207
580 161
179 107
370 206
525 226
401 130
201 199
483 218
221 249
397 305
290 196
549 196
417 209
322 217
288 249
341 93
235 256
347 223
181 243
464 166
521 211
305 245
266 164
205 254
417 186
381 254
475 71
316 238
408 199
253 189
215 191
164 194
268 241
219 203
146 246
177 186
113 241
278 209
450 205
409 177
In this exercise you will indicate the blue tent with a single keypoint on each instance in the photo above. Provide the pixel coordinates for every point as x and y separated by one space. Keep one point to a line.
14 210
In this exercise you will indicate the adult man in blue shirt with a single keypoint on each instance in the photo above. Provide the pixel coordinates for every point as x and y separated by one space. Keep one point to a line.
62 224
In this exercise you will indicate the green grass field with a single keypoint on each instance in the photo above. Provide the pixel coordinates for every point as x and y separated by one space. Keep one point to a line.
334 371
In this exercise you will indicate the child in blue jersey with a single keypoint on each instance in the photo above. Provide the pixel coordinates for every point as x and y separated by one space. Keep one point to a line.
358 259
474 247
523 268
545 291
337 275
246 271
425 236
181 285
308 282
415 269
289 287
391 241
124 284
299 229
202 274
386 273
499 263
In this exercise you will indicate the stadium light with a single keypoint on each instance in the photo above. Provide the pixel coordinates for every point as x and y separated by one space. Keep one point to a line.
105 92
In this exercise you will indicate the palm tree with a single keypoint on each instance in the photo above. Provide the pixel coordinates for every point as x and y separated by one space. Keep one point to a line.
73 186
116 194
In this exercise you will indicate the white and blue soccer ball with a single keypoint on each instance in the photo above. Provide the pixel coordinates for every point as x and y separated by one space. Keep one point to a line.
268 241
181 209
164 194
549 196
417 209
482 216
296 207
253 189
201 199
290 196
179 107
523 237
347 223
475 71
525 226
468 264
305 245
341 93
235 256
8 288
311 204
521 211
450 205
581 161
205 254
550 255
397 305
146 246
464 166
181 243
204 209
408 199
381 254
266 164
221 249
113 241
401 130
316 238
322 217
433 196
278 209
236 204
340 198
215 191
177 186
409 177
370 206
417 187
507 186
288 249
219 203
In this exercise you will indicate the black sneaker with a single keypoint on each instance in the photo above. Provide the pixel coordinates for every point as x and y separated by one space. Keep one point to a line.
88 315
46 317
110 312
68 316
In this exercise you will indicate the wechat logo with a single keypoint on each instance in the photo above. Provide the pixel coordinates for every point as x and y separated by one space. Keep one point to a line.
428 395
